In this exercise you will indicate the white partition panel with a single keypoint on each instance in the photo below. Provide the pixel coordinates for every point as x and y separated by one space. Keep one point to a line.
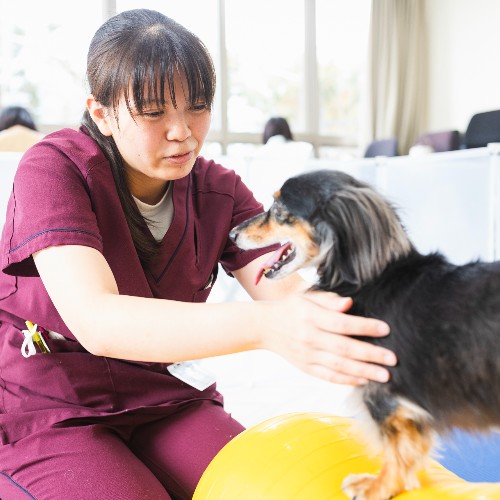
494 150
266 176
364 169
445 201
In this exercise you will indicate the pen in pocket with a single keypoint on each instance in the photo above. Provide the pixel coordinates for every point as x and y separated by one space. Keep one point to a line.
31 337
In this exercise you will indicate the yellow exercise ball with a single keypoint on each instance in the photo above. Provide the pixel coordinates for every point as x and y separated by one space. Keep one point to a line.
306 456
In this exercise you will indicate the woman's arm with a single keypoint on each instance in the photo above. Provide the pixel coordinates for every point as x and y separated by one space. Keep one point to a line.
83 289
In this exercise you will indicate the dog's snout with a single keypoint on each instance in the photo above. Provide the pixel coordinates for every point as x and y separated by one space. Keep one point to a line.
237 230
233 234
240 232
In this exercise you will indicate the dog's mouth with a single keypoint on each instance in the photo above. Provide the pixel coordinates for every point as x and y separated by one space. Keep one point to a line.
283 256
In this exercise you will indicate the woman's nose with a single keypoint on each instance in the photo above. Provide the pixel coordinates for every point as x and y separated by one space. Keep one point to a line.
178 127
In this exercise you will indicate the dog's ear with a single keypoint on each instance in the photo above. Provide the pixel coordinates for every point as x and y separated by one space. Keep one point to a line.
366 235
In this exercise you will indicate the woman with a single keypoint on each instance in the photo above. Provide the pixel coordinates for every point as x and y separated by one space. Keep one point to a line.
113 238
277 126
18 131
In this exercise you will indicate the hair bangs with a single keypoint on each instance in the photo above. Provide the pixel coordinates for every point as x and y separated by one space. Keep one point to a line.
200 75
151 83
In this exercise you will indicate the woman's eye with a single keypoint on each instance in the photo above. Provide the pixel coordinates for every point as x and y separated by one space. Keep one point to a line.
200 106
152 114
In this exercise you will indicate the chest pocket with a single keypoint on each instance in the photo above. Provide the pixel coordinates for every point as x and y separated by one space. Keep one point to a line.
202 295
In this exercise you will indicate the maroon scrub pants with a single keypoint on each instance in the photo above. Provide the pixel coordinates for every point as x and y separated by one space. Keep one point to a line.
130 459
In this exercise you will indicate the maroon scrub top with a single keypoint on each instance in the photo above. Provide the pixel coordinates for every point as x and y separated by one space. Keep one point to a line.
64 194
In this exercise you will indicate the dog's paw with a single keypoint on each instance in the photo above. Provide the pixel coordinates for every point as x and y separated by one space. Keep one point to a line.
363 487
355 485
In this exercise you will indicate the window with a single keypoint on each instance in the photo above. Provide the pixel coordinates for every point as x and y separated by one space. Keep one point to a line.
341 47
265 57
302 59
43 49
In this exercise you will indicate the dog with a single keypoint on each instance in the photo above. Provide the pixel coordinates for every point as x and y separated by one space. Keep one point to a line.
444 318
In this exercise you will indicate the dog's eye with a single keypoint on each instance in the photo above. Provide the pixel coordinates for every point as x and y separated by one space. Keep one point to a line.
279 213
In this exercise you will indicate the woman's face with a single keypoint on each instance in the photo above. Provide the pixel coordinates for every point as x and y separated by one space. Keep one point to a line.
158 145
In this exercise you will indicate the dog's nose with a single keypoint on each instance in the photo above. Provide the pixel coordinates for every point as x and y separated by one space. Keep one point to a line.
233 235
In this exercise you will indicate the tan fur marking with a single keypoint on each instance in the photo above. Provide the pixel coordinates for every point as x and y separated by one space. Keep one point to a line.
299 232
406 447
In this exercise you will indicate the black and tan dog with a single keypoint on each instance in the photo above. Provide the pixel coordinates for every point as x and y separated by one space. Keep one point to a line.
444 318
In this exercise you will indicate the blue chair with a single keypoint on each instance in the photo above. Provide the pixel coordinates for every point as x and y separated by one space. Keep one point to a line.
382 147
473 457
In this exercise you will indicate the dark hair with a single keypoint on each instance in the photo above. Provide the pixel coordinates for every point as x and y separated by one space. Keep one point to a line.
16 115
135 55
277 126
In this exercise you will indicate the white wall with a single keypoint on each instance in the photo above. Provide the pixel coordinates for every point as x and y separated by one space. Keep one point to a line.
464 41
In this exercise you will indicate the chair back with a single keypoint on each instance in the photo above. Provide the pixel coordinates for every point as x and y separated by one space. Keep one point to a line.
483 128
382 147
447 140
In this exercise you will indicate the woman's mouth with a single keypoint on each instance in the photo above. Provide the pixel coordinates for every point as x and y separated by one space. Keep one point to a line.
180 159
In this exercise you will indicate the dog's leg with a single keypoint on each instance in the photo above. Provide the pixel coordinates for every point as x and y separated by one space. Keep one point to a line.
407 438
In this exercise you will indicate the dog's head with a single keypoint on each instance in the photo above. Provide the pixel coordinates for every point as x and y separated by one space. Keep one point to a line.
329 220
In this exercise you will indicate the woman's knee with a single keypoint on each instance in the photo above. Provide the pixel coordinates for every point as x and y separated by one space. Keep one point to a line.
78 464
179 448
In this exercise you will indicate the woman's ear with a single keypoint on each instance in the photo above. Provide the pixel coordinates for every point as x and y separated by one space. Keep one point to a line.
99 115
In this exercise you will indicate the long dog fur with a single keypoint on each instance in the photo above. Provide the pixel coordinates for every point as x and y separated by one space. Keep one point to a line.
444 318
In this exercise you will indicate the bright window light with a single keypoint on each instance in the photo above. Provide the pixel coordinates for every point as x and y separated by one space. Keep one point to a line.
43 50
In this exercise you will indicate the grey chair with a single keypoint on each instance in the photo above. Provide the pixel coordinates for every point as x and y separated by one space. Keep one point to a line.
482 129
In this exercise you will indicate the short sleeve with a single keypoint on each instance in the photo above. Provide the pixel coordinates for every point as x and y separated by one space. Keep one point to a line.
50 205
245 207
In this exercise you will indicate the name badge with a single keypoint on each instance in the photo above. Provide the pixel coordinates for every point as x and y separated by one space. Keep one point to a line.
192 374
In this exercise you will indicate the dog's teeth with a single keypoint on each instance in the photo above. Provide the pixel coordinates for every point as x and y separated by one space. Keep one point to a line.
286 254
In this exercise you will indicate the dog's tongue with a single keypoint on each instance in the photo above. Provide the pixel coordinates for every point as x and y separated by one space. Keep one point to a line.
275 257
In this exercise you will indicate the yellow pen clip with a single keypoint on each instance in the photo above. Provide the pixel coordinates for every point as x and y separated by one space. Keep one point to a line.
37 338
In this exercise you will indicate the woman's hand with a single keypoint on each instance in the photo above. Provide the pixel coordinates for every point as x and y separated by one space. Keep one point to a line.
312 332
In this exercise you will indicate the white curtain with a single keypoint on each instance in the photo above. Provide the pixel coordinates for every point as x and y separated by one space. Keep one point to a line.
397 72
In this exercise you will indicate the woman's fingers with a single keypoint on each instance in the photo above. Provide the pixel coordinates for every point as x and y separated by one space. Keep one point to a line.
344 323
346 357
352 348
324 373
